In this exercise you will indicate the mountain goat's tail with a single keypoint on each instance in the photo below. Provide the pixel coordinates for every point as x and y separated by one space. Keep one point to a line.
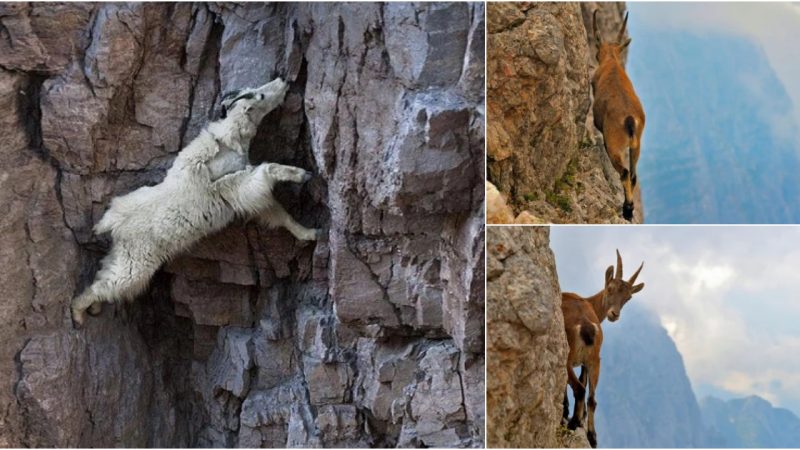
588 332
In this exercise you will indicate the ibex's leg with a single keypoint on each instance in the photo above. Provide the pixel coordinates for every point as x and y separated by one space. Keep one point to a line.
584 377
594 376
124 276
634 158
565 409
579 392
625 177
276 216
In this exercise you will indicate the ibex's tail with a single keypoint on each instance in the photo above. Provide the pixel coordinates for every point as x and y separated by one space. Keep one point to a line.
630 126
587 332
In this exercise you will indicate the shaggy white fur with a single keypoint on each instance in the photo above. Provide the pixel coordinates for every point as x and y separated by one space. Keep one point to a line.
209 184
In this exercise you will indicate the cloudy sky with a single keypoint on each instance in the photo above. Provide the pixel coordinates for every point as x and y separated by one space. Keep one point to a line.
728 296
773 25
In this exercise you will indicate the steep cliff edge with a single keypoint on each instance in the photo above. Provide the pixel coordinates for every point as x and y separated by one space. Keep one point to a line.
526 344
372 336
544 153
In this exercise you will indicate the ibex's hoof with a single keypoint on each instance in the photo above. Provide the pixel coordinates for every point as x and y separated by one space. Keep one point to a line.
592 436
627 211
319 234
574 424
307 176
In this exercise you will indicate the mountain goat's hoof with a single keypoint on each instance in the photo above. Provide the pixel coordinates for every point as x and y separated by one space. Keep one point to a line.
307 176
78 317
320 234
95 309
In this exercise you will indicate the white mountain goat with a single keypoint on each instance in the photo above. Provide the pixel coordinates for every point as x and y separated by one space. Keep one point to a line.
209 184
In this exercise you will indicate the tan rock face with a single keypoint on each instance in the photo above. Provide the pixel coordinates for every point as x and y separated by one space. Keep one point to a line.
538 92
527 347
544 154
371 336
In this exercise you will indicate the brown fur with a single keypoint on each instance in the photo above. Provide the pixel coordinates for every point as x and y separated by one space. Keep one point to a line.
579 314
618 113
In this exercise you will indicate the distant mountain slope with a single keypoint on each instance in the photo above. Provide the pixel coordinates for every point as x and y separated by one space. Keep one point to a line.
644 398
715 146
749 422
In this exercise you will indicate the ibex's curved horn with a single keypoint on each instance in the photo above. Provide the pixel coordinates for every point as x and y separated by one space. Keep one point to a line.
619 266
594 27
633 278
622 30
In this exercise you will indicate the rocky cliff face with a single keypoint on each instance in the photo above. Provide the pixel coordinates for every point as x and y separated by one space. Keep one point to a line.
544 153
527 347
372 336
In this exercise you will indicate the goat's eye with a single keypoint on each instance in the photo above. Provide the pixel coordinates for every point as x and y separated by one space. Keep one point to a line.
261 96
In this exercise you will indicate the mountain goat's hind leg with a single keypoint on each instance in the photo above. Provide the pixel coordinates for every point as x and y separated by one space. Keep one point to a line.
276 216
123 276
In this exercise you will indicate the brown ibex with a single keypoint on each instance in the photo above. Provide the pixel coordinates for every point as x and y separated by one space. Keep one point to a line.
582 319
618 114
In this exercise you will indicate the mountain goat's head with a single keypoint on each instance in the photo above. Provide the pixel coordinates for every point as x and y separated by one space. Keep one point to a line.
610 49
255 102
618 291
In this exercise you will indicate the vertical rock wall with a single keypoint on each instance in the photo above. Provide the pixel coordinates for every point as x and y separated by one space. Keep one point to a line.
372 336
527 347
544 154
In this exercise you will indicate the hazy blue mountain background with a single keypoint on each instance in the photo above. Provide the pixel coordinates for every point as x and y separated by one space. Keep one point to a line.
719 144
645 398
749 422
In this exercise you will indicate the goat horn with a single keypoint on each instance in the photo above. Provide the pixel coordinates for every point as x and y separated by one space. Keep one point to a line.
622 30
633 278
594 26
619 266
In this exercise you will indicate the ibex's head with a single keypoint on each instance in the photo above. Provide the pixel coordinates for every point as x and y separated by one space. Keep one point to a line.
619 291
607 49
256 102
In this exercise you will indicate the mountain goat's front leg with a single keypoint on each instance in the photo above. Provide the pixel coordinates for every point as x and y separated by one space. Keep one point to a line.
249 191
276 216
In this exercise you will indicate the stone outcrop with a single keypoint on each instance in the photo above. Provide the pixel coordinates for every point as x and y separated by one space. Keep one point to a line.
544 153
372 336
526 346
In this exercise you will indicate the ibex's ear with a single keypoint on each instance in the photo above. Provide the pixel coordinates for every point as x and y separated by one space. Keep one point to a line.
625 44
609 274
637 288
